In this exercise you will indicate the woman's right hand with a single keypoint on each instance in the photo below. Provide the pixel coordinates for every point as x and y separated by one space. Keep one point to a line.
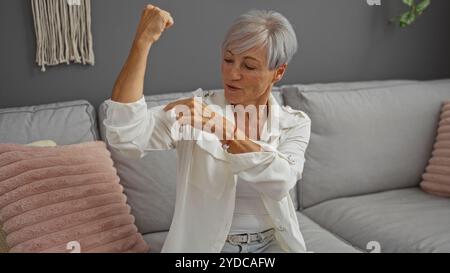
154 21
194 112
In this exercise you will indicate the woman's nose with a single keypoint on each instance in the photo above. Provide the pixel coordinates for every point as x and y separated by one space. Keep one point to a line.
235 73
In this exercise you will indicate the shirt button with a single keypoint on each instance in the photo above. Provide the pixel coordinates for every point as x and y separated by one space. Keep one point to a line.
291 160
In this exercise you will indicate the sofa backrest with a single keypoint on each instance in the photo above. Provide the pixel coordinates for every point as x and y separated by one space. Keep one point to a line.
366 137
150 182
64 122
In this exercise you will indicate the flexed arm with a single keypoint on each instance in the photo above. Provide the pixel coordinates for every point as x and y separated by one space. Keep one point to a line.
130 126
129 85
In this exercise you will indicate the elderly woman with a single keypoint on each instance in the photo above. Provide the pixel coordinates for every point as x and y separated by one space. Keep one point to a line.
232 188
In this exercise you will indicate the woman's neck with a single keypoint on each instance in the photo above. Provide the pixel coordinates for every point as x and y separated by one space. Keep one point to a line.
260 104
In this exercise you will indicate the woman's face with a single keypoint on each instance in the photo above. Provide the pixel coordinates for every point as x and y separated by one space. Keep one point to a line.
246 78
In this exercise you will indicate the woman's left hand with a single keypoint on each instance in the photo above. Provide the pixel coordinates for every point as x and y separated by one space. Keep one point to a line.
197 114
194 112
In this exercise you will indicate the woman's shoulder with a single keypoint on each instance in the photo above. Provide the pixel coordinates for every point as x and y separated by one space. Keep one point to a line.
295 115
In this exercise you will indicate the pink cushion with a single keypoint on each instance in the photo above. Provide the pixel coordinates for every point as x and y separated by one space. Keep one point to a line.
50 196
436 179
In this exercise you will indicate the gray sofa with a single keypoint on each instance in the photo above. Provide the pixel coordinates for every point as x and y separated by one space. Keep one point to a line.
369 146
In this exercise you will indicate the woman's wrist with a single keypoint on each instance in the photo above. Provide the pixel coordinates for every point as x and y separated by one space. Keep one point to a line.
243 146
236 142
141 46
236 146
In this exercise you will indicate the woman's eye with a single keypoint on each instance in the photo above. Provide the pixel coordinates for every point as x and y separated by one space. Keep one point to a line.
250 67
228 61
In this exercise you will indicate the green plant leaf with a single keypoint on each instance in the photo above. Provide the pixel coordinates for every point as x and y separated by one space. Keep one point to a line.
409 3
407 18
422 6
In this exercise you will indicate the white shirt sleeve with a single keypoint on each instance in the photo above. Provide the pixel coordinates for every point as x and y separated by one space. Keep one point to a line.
133 129
275 171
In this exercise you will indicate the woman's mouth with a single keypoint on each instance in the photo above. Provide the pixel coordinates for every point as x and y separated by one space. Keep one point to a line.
233 88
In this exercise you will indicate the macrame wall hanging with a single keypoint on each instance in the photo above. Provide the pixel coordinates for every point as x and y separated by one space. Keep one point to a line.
63 32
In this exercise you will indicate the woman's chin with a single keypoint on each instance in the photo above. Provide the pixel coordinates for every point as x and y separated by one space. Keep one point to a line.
232 96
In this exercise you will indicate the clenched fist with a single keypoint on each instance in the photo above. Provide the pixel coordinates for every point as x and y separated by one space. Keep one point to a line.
154 21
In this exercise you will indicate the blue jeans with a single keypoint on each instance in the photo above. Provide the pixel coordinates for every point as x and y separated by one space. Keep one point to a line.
268 245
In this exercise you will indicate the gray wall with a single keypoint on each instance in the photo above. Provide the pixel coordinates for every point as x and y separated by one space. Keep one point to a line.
343 40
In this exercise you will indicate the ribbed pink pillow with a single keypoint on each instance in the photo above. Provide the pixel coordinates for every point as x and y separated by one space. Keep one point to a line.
53 198
436 179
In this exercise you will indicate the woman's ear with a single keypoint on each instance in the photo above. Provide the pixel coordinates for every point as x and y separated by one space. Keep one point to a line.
279 73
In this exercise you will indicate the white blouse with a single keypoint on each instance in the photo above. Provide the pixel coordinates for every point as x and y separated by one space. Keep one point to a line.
207 174
250 214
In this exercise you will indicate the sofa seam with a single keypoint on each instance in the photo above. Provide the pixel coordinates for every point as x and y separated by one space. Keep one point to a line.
94 124
358 195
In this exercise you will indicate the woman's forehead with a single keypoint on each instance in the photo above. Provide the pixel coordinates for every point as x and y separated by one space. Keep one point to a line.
258 53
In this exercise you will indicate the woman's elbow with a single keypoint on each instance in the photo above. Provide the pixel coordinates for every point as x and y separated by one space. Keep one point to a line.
127 149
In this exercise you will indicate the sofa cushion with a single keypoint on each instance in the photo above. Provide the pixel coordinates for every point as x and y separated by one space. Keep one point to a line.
404 220
65 123
367 140
156 240
319 240
50 196
150 182
316 238
436 179
340 86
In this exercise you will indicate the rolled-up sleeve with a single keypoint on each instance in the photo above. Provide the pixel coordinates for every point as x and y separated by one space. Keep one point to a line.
133 129
275 171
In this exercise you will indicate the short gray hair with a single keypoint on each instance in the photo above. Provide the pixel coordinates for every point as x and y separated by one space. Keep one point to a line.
258 28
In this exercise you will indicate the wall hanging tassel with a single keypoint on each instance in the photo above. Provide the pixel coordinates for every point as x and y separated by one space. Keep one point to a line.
63 32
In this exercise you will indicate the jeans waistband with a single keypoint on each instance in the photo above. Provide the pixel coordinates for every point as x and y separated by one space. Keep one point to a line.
250 237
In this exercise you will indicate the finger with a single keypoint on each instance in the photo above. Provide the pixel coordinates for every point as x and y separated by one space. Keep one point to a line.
168 107
170 22
148 8
155 11
190 120
172 105
210 125
198 107
166 14
183 120
187 113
